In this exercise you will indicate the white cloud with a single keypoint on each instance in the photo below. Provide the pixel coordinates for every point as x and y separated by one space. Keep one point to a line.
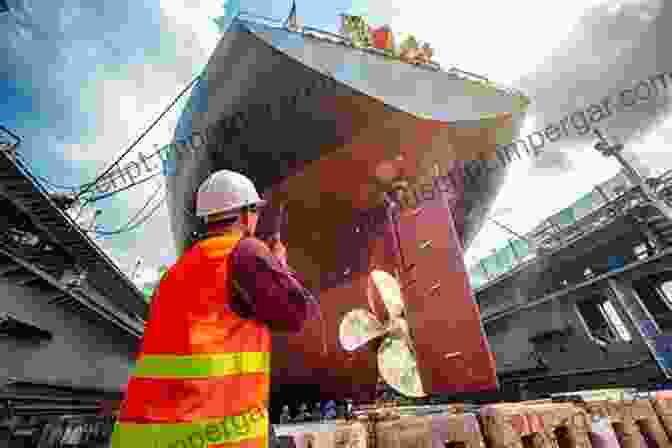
197 14
501 40
654 148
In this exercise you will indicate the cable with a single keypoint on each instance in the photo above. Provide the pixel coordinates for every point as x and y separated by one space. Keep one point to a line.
130 222
134 226
153 195
112 193
72 188
142 135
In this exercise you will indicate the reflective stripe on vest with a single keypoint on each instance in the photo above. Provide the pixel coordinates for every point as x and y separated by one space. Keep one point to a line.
199 361
202 366
203 433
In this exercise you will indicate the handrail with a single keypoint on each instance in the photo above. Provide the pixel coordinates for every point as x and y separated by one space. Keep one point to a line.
551 237
497 86
327 33
258 16
344 40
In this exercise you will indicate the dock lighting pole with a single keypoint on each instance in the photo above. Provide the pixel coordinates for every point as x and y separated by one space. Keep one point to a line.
633 176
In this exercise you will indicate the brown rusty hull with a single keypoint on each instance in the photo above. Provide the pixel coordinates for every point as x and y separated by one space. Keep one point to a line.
316 144
347 243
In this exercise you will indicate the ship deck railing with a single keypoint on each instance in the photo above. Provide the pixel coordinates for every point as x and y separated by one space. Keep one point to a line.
316 33
552 237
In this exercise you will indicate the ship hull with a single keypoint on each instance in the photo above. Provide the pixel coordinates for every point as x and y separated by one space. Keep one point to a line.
327 144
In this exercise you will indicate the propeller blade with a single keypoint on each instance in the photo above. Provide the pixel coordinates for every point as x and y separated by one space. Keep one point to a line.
373 297
390 292
357 328
398 367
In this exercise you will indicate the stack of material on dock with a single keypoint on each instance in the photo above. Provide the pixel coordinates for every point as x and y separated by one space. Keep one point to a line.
539 425
336 434
407 431
461 430
634 423
602 433
662 403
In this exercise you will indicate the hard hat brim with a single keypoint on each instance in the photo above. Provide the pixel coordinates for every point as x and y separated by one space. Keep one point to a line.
231 212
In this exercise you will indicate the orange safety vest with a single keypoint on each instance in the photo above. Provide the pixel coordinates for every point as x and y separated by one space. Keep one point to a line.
202 376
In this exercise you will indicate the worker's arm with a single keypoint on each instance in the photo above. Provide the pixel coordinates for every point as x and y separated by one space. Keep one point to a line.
268 289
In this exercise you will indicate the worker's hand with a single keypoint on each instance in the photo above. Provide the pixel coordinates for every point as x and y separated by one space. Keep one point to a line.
279 250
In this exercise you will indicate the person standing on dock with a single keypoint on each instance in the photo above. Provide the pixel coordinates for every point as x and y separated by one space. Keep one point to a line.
203 373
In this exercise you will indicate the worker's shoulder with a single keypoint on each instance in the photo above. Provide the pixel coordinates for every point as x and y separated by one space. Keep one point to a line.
214 247
221 247
252 253
252 246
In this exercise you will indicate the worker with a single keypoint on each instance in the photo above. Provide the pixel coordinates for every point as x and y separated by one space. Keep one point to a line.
303 415
285 417
316 415
203 373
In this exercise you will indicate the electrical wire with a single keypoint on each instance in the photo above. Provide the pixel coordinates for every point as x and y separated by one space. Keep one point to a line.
130 227
152 196
129 186
135 226
142 135
130 222
147 217
73 188
85 201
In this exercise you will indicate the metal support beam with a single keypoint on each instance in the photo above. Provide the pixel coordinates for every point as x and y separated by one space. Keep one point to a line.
115 318
652 240
657 260
641 318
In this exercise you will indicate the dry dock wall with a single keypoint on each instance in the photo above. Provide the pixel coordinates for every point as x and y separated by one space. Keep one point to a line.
81 352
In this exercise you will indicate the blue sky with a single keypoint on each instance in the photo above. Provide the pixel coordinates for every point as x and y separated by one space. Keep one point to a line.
84 81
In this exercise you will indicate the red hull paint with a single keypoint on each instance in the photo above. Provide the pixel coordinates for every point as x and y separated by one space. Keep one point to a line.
321 203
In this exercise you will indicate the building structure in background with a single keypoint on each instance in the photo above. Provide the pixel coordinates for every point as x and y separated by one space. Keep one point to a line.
70 320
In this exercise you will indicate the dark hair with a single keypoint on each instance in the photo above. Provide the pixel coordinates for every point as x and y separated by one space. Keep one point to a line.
232 220
224 221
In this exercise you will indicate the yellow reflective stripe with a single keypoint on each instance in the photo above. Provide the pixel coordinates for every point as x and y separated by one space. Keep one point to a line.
224 430
202 366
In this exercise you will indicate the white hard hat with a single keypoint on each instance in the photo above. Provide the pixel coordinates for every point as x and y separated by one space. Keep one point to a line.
226 191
